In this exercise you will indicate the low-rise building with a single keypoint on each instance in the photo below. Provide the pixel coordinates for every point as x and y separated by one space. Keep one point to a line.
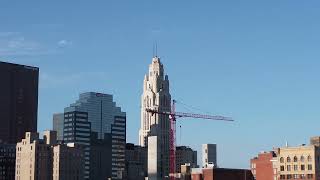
221 174
300 162
44 159
68 162
263 167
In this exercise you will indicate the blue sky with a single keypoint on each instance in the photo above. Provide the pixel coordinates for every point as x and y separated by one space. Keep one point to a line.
256 61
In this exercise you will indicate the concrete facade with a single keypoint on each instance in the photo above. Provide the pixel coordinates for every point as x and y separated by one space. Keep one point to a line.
156 96
301 162
43 159
68 162
209 155
33 158
154 165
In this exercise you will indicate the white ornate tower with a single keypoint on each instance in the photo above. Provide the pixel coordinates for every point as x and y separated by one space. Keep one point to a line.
156 96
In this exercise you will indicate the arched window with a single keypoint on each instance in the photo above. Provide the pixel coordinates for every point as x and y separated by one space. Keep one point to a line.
302 158
288 159
295 159
281 160
309 158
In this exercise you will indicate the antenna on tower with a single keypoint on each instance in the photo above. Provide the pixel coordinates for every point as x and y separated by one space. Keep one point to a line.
155 49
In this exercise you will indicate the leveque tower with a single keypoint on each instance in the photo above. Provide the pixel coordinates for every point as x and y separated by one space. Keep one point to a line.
156 96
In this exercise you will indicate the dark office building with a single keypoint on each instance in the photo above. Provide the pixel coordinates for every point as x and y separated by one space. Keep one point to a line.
77 130
7 161
18 101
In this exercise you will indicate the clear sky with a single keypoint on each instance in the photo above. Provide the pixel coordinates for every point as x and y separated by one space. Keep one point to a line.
256 61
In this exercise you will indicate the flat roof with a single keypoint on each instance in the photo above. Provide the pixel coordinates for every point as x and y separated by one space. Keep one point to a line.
21 65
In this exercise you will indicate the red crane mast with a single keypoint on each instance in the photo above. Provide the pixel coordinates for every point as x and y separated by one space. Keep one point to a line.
173 115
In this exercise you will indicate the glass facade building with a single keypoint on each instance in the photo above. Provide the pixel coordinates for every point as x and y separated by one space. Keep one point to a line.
19 101
7 161
107 133
58 124
77 130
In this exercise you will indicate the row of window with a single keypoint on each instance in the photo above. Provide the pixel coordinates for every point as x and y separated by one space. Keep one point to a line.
296 176
295 159
295 167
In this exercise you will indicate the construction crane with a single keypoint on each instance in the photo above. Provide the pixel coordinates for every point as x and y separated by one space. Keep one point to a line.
173 115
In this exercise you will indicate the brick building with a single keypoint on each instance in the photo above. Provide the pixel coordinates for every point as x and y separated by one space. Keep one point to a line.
263 166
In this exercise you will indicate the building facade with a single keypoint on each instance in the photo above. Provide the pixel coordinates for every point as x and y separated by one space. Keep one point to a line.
107 140
68 162
300 162
43 159
19 101
263 167
7 161
77 129
209 155
33 158
58 125
185 155
136 162
226 174
156 96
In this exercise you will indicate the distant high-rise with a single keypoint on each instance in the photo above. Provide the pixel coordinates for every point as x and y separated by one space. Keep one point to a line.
58 124
156 96
102 129
209 155
185 155
19 101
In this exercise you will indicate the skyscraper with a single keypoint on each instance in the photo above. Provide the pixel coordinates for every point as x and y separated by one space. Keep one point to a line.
19 101
77 130
156 96
106 143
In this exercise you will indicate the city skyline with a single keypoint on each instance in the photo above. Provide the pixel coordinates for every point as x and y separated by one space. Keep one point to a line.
255 62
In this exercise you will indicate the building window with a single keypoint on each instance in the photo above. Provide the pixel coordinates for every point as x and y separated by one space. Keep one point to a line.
289 176
295 159
288 159
310 176
302 167
282 177
309 167
288 168
295 167
281 168
302 158
281 160
309 158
